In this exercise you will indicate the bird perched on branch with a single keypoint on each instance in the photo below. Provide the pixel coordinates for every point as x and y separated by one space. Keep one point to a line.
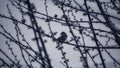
61 39
117 40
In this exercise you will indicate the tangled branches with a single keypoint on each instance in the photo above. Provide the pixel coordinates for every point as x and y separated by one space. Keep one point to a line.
85 32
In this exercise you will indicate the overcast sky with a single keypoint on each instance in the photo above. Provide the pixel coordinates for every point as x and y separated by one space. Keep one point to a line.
54 54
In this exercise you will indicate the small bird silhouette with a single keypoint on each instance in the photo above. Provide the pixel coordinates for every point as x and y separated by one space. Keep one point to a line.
117 40
62 38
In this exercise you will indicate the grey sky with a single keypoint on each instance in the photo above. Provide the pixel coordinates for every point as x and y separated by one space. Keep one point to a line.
54 54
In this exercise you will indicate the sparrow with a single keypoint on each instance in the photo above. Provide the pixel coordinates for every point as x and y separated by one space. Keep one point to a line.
62 38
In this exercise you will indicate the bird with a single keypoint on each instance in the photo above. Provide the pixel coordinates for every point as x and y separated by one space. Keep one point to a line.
61 39
117 40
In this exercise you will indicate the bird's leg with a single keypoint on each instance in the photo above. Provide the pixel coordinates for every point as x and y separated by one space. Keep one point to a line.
58 45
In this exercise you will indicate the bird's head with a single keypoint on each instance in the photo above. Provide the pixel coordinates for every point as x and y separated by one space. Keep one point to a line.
63 33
